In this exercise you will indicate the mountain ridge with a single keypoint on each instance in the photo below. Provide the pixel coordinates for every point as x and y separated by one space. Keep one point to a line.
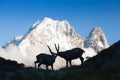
36 26
48 32
96 39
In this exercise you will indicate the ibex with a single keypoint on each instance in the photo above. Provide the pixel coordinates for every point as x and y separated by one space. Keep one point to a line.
69 55
46 59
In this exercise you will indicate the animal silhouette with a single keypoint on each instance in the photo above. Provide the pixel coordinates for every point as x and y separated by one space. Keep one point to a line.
69 55
46 59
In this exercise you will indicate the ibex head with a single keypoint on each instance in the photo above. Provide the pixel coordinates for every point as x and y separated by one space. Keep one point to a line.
71 54
52 53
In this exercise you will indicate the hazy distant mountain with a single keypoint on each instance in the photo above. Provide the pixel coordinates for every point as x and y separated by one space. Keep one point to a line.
15 40
96 40
48 32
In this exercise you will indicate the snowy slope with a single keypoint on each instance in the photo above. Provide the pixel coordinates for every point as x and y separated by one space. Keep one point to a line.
47 32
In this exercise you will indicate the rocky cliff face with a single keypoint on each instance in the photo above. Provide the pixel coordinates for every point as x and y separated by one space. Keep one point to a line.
96 40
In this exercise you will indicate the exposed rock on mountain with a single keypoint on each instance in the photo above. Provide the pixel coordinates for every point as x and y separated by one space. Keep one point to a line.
96 40
48 32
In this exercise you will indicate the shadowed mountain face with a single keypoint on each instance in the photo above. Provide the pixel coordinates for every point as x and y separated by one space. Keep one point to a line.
106 58
8 65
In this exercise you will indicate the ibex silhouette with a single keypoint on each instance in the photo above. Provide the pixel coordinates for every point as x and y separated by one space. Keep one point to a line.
69 55
46 59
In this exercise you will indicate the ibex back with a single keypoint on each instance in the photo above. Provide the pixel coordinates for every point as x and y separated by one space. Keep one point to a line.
46 59
69 55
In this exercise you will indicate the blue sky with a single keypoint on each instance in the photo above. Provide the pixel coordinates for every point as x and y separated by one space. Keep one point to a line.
16 16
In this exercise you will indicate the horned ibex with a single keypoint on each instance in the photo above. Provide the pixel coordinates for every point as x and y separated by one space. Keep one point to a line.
46 59
69 55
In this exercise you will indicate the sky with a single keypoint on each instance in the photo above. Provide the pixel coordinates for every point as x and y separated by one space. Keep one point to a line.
17 16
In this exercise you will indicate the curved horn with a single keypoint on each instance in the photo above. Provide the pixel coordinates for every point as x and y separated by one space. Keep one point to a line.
49 49
57 49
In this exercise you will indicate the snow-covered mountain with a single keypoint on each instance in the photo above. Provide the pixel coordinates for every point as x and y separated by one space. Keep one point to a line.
48 32
96 40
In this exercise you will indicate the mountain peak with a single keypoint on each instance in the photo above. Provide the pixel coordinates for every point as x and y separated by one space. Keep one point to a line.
97 31
48 19
96 39
97 28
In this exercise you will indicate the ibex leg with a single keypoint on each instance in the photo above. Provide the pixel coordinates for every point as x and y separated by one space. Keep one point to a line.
82 59
70 63
39 65
66 63
35 63
46 67
52 67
